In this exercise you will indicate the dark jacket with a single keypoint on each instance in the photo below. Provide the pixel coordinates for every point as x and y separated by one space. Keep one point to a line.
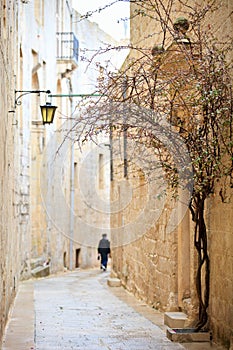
104 246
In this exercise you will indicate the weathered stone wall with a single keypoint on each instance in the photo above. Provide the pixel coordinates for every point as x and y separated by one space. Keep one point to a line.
145 250
148 267
156 263
220 232
9 166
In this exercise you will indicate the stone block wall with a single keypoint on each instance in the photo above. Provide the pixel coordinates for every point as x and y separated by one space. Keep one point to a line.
151 271
9 188
220 231
146 265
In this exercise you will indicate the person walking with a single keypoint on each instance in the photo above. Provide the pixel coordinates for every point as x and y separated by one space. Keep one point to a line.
104 251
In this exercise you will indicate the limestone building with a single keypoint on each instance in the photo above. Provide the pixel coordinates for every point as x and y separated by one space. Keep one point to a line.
59 59
159 265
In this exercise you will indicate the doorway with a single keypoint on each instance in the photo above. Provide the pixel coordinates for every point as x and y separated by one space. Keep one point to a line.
64 260
77 253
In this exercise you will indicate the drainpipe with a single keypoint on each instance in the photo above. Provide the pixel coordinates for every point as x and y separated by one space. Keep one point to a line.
71 194
125 132
71 228
71 164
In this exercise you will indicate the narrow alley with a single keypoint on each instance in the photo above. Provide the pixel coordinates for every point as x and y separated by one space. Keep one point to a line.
79 310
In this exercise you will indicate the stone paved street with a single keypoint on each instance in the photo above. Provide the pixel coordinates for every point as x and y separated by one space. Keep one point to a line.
80 311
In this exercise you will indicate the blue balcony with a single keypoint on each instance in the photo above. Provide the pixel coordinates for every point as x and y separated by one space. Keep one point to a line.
67 48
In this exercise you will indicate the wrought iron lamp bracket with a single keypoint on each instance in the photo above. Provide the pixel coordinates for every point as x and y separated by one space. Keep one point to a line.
25 92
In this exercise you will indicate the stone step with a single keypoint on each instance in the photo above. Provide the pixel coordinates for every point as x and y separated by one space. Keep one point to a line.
41 271
188 335
175 319
36 262
114 282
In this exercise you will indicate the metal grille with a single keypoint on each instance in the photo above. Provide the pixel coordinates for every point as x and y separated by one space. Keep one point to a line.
67 46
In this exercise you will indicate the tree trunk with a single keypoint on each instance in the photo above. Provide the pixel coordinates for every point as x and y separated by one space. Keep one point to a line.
203 269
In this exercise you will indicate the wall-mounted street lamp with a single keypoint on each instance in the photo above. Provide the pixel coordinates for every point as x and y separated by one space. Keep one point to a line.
47 111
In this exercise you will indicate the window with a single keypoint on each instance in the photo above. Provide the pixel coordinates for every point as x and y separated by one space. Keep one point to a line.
39 11
101 171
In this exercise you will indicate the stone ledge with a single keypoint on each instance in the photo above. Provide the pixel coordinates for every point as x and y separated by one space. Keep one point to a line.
114 282
175 319
41 271
187 335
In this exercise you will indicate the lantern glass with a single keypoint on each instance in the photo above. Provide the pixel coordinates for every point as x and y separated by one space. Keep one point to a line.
48 112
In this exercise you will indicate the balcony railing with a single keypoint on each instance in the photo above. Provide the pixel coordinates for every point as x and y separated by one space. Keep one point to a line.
67 47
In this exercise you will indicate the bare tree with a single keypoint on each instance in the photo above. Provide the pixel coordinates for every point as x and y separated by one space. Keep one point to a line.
187 79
